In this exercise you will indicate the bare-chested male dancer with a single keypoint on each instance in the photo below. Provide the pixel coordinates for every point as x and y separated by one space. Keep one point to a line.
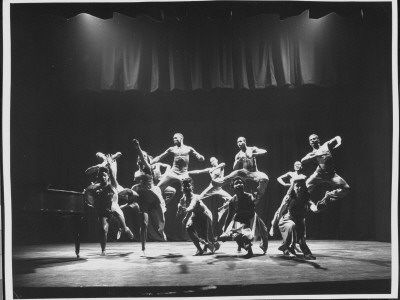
180 165
325 171
245 166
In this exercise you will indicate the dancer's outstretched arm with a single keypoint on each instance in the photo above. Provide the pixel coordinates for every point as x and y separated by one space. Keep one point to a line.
161 156
198 155
258 151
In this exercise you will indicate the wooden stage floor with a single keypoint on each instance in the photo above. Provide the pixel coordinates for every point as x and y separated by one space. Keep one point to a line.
171 270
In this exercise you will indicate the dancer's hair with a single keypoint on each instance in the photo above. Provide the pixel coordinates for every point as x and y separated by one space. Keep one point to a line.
236 179
187 180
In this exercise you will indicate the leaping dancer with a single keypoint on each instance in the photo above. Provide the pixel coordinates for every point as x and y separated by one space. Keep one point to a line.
325 172
245 166
180 165
216 172
150 197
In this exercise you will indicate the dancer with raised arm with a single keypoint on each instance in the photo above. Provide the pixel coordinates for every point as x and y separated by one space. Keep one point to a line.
242 220
150 197
325 172
291 219
197 219
216 171
245 166
179 169
105 200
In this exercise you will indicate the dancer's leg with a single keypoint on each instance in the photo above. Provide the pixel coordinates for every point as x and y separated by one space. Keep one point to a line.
103 226
263 231
169 193
143 230
342 188
262 180
120 215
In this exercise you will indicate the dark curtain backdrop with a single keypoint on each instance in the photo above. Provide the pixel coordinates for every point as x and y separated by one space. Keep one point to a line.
78 89
125 53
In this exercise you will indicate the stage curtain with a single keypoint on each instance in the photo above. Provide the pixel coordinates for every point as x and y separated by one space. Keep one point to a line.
124 53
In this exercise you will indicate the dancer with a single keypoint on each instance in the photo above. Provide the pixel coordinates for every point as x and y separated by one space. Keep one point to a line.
245 166
169 191
180 165
242 220
150 197
325 172
291 175
216 171
291 218
105 200
198 219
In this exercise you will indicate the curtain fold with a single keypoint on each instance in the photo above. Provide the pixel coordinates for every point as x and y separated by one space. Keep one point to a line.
126 53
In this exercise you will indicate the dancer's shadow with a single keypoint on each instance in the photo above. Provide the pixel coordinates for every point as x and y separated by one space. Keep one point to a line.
382 263
283 260
27 266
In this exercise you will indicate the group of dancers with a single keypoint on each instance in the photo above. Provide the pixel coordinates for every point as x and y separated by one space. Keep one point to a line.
237 217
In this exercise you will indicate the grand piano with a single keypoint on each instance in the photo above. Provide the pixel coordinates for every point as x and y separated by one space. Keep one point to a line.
72 205
68 204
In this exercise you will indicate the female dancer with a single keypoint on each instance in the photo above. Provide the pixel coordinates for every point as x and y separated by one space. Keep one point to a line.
150 198
291 218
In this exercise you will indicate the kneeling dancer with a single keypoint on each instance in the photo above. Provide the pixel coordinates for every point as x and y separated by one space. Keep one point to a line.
242 220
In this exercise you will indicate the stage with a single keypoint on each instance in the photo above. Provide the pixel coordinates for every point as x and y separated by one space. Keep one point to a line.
171 270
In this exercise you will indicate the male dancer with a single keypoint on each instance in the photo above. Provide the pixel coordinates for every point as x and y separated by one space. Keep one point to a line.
245 165
198 219
180 165
325 171
169 191
105 196
242 220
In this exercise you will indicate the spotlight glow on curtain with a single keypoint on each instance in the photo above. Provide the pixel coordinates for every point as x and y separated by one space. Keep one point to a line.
126 53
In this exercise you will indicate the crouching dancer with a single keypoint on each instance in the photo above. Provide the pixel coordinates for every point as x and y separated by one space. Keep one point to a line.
105 200
198 219
291 219
242 220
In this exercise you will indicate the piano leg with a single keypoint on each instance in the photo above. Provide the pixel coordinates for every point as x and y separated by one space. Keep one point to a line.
77 234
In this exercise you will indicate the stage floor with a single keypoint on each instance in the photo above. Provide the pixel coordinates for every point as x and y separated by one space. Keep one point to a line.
170 270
